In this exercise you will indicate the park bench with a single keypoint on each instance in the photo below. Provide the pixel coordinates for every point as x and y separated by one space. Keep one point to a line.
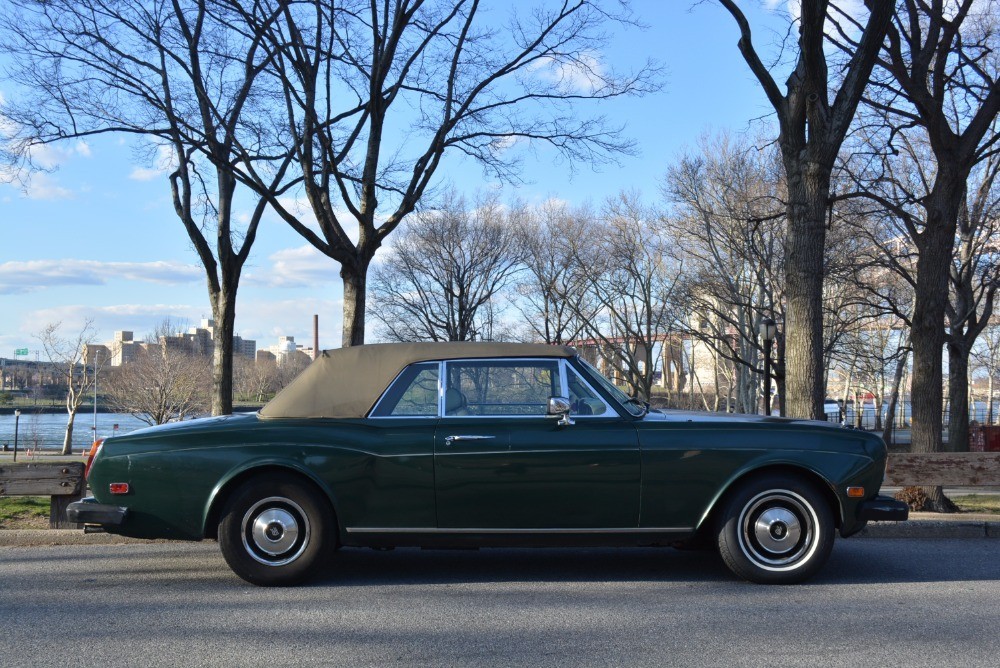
63 481
947 469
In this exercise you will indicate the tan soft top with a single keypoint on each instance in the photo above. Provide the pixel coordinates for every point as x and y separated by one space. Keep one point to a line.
346 382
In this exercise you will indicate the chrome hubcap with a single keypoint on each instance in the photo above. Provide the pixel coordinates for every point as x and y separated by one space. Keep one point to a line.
777 530
275 531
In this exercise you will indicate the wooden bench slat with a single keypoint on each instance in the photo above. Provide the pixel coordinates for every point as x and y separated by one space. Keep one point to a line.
42 479
951 469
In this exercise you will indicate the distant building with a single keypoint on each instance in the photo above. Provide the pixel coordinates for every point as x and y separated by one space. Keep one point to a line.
196 341
287 351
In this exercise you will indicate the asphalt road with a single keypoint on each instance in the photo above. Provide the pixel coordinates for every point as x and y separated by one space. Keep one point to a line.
878 603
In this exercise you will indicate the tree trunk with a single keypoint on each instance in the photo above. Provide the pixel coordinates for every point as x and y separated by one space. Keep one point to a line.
958 397
890 411
355 298
927 332
67 448
808 191
989 399
224 313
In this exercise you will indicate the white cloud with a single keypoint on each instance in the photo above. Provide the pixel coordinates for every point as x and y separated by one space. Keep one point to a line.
585 75
42 186
20 277
137 318
265 321
164 162
297 268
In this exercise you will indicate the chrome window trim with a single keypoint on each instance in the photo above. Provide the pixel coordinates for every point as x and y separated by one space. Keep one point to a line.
388 387
608 410
444 376
564 370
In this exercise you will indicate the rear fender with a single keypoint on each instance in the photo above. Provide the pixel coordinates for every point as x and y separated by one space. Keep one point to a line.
246 470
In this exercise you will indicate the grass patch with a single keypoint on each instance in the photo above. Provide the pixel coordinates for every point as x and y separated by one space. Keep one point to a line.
978 503
17 510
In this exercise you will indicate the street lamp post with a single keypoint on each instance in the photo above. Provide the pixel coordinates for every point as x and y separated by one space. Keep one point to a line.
17 422
768 330
97 359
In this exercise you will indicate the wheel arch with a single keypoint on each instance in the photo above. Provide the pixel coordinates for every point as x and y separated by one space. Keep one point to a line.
226 486
824 486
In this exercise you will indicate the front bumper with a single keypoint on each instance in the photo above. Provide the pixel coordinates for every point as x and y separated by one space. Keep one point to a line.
88 511
883 509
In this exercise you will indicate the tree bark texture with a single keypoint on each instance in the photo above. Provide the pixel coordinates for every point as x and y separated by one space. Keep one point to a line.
67 448
931 299
355 279
958 398
224 313
808 192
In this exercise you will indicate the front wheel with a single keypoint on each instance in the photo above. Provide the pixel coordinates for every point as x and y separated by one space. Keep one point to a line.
275 530
775 529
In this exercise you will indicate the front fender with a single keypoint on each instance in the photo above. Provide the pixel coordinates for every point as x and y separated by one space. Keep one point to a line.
830 471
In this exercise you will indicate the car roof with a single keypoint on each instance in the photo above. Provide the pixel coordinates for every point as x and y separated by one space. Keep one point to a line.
346 382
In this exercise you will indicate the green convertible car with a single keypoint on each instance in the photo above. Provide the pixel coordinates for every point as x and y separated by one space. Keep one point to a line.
482 444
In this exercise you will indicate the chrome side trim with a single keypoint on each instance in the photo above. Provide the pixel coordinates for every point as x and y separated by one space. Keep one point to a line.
431 530
448 440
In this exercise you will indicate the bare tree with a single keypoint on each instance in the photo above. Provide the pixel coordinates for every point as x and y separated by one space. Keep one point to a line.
812 127
553 293
974 280
631 278
377 92
937 93
986 355
445 270
159 385
255 380
177 73
728 217
68 358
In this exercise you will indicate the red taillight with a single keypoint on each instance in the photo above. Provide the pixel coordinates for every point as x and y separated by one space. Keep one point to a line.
94 449
118 488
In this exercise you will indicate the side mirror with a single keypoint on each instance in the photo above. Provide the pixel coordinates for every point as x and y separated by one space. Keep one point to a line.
560 407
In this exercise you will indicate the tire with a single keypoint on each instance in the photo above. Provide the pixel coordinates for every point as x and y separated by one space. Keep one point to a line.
775 529
276 529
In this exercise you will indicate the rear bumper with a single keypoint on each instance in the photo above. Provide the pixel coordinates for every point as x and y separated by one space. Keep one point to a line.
883 509
88 511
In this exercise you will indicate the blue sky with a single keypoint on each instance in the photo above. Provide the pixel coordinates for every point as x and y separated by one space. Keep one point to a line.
97 237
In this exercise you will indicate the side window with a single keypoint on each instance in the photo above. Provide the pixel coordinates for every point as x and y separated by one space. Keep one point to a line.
583 400
414 393
501 387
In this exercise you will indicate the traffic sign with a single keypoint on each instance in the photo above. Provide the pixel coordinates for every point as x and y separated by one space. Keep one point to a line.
20 352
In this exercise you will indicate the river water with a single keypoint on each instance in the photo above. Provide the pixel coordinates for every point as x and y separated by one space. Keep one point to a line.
46 431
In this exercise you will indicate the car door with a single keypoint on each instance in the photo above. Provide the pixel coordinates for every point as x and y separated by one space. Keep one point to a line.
501 463
393 489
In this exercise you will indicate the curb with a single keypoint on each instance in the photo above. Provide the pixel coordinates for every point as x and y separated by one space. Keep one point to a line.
55 537
933 529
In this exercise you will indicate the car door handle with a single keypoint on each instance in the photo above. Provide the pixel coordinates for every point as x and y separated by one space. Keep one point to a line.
448 440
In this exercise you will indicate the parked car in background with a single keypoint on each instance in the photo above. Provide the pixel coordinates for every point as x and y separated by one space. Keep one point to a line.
478 445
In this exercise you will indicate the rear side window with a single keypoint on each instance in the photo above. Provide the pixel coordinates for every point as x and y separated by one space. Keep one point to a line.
414 393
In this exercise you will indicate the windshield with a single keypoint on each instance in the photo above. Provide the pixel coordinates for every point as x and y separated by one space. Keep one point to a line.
636 409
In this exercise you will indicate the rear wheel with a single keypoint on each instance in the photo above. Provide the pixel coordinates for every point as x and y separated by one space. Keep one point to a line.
775 529
276 529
